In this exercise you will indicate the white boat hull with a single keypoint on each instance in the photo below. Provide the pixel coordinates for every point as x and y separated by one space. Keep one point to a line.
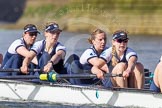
77 95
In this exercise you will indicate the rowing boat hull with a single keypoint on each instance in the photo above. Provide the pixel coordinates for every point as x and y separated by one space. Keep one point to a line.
77 95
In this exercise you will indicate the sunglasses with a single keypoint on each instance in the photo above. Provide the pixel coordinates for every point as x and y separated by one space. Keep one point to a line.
54 32
32 34
121 40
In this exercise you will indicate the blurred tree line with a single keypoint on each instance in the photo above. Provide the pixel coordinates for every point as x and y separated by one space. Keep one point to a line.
136 16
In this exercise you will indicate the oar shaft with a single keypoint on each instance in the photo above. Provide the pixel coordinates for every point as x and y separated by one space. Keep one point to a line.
20 77
63 76
85 76
57 76
53 76
18 70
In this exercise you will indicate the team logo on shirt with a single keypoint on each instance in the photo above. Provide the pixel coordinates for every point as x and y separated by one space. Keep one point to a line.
91 54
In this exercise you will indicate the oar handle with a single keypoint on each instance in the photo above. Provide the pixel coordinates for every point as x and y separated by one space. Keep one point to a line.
18 70
20 77
113 75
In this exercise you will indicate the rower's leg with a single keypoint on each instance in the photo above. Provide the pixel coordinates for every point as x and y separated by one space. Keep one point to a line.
1 59
73 66
158 76
119 81
14 62
156 84
139 76
43 59
131 80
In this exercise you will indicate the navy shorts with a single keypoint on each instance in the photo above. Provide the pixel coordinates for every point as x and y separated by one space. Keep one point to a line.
153 87
107 82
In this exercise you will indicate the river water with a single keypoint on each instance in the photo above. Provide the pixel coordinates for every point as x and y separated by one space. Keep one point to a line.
149 49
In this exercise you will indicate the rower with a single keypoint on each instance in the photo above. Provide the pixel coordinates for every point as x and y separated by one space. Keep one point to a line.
122 59
88 59
156 84
19 49
49 52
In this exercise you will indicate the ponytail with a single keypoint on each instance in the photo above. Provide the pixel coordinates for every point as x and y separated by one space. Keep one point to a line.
114 60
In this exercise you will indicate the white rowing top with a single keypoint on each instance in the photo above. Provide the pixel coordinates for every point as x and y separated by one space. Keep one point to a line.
88 54
107 54
16 44
161 58
37 47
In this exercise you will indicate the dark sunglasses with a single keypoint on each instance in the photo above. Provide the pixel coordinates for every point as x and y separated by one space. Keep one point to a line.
32 34
121 40
54 32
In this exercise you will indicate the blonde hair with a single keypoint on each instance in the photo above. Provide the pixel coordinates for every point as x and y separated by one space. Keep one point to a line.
94 33
49 23
114 59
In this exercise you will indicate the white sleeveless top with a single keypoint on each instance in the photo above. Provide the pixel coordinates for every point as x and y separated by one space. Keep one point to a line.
107 55
37 47
88 54
16 44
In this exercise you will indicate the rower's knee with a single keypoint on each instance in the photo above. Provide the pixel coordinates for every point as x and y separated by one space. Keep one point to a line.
120 67
139 67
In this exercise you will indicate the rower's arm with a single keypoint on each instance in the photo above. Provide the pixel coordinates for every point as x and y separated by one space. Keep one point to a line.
60 54
26 61
98 72
99 66
131 63
99 63
23 51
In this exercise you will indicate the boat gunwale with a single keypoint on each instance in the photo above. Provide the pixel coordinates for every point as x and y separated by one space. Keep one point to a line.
90 87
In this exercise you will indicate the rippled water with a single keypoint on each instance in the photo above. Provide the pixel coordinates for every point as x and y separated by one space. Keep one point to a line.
43 105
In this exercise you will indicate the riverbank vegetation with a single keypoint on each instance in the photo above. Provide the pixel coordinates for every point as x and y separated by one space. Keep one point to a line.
136 16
